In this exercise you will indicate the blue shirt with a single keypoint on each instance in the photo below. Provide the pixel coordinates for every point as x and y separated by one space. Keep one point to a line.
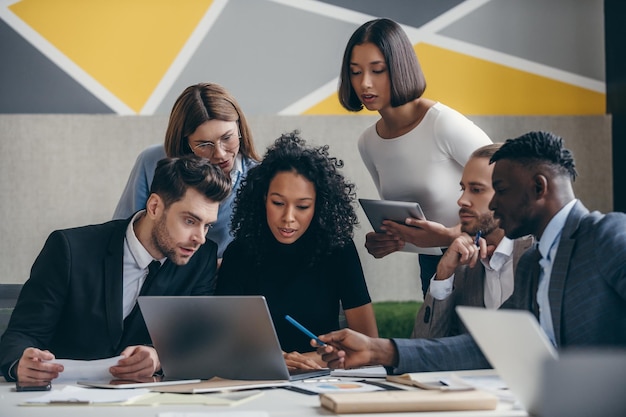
137 190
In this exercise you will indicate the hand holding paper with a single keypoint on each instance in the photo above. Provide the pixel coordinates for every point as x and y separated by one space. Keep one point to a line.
138 362
89 370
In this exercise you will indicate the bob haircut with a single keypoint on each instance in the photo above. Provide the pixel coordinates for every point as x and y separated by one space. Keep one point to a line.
405 73
334 217
200 103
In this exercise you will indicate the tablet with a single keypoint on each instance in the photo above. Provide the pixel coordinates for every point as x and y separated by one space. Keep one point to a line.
128 383
379 210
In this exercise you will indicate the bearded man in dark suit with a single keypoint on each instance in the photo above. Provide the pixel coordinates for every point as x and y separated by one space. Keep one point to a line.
80 301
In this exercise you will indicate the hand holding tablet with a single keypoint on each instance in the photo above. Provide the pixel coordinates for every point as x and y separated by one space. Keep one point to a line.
379 210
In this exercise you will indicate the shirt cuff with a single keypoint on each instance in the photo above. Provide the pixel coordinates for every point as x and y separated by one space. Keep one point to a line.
11 374
441 289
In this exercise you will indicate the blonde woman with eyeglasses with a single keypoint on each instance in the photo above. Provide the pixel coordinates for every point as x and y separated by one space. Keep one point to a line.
206 120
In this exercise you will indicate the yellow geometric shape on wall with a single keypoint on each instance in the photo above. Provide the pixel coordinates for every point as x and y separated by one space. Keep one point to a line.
477 87
127 46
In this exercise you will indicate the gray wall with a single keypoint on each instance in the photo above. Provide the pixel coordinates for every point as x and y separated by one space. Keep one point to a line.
68 170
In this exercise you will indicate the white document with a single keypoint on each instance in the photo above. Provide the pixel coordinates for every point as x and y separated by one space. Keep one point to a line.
76 395
96 370
364 372
335 386
214 414
490 383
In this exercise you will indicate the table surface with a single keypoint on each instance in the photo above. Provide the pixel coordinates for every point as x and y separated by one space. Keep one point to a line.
275 402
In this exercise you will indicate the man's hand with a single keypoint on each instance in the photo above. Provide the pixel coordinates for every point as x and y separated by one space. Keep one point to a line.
421 233
382 244
349 349
296 360
33 368
138 362
463 251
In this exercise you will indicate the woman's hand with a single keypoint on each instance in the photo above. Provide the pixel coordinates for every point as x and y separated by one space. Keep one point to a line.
422 233
382 244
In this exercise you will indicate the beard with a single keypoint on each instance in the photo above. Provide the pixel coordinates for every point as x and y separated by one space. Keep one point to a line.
485 222
163 242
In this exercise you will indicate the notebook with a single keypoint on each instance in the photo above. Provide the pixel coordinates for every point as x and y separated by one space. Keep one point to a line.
516 347
398 211
230 337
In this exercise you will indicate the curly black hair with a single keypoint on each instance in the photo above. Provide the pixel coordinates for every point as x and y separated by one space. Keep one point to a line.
539 147
335 216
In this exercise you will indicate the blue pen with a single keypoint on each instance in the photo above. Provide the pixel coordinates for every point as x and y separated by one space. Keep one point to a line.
477 241
304 330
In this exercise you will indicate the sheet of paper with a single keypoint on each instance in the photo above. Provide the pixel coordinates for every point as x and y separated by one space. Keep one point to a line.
364 372
214 414
76 395
96 370
230 399
490 383
336 386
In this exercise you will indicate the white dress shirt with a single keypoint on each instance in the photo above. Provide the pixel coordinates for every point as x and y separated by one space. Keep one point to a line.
135 267
498 277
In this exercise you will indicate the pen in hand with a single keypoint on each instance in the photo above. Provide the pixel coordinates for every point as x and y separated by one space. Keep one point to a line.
304 330
477 241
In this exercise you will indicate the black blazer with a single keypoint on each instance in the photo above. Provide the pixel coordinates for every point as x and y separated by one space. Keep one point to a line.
72 303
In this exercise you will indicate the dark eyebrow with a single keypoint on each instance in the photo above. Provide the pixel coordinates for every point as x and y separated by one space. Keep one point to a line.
190 214
482 184
369 63
282 196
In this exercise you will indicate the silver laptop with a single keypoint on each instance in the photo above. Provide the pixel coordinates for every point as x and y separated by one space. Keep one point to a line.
231 337
585 382
516 347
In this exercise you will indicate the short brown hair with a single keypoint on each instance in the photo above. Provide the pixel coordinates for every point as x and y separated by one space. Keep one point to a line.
173 176
486 151
405 73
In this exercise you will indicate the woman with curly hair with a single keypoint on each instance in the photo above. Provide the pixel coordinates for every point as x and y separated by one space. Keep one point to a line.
293 225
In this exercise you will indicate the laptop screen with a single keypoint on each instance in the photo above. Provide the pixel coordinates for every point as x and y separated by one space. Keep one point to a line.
202 337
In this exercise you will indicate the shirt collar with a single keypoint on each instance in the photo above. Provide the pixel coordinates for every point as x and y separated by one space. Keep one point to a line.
141 256
237 168
553 230
500 255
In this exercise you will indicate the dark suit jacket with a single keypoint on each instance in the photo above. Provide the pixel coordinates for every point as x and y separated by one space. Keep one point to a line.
438 318
587 295
72 303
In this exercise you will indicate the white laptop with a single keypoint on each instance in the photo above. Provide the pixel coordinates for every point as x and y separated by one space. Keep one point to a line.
230 337
585 382
515 345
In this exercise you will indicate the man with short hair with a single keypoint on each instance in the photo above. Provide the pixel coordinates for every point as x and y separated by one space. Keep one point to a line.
575 283
80 301
467 275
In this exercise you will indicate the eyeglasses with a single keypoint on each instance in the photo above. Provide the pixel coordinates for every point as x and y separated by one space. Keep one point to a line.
227 143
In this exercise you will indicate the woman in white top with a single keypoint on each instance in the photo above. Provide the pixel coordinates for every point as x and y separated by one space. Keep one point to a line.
417 149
